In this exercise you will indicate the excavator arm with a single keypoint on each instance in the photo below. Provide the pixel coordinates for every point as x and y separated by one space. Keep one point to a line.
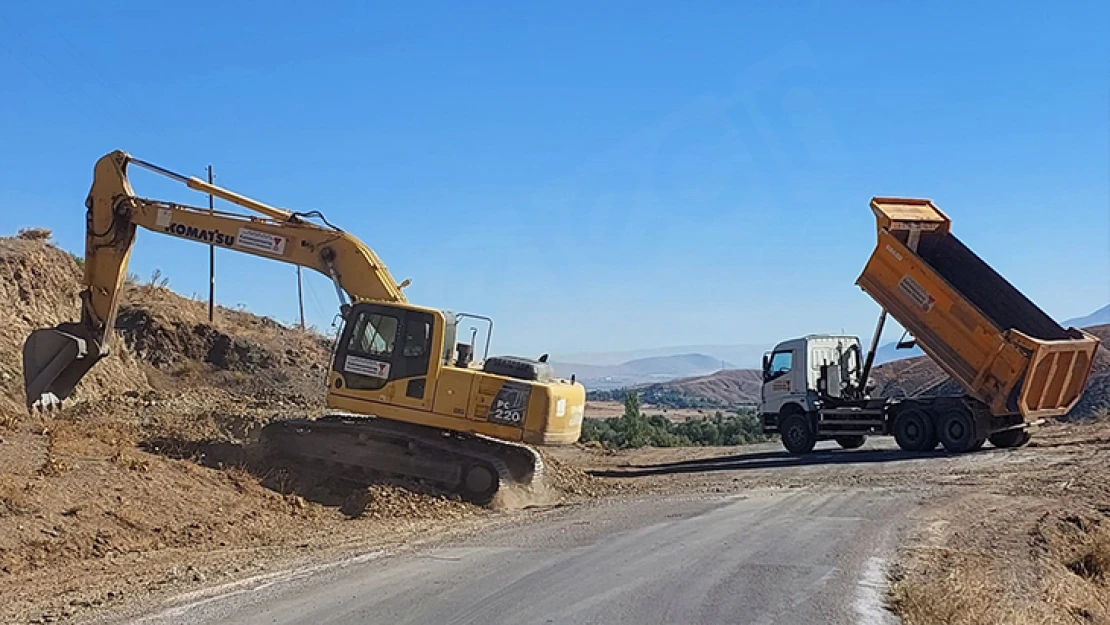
55 359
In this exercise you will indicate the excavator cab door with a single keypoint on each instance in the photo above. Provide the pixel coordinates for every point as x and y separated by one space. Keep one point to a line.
384 355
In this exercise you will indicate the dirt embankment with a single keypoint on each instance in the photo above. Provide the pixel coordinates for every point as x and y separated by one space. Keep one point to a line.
148 481
39 287
1028 545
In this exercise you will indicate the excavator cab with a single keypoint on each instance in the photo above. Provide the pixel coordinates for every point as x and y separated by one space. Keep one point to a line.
389 350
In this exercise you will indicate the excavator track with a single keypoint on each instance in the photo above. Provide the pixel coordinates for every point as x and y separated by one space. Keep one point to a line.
357 447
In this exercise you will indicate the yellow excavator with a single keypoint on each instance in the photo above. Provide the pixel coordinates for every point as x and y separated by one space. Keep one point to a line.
408 400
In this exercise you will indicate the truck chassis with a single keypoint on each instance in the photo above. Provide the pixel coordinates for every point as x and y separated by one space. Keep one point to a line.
958 423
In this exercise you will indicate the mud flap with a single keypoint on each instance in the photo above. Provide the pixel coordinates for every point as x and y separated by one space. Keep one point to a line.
54 361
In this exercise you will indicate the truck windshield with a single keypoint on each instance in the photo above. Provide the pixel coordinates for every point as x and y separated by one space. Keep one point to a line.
781 362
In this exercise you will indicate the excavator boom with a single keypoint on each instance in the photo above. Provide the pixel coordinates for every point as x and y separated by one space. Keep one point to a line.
55 359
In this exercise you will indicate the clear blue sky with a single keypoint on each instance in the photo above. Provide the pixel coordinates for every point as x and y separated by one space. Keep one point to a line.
595 177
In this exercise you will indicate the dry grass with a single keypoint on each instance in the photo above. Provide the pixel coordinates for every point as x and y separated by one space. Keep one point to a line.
963 589
1058 574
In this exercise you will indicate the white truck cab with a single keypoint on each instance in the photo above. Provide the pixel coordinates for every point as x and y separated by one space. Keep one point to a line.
792 371
804 381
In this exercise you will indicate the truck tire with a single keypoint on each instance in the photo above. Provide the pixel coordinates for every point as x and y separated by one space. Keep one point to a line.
797 434
1010 438
850 442
914 430
956 430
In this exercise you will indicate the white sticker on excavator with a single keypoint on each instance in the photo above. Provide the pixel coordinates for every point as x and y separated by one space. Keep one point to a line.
561 407
364 366
576 414
164 218
260 241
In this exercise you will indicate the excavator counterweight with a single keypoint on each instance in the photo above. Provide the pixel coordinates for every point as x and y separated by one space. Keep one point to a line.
407 399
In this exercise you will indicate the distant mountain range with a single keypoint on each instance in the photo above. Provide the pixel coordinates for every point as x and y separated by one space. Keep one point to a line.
613 370
745 355
729 388
641 370
1097 318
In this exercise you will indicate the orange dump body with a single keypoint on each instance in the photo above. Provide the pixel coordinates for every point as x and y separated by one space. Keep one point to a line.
994 341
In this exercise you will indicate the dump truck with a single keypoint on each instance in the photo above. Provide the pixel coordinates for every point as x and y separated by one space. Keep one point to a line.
1016 366
405 397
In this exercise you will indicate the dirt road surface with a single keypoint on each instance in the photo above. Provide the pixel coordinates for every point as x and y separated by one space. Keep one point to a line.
765 557
697 537
744 535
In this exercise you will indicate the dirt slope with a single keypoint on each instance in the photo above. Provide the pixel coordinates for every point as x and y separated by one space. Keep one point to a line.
38 287
148 481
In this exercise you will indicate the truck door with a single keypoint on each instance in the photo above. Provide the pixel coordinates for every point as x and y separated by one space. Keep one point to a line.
384 355
780 379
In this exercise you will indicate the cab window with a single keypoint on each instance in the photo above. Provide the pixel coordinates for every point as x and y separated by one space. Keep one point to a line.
374 335
418 338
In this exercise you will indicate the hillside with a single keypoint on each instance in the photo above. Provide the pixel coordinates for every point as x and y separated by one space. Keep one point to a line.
721 389
914 376
730 387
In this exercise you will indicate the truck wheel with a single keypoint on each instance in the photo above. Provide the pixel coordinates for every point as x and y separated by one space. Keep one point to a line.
956 431
1010 438
850 442
914 430
797 434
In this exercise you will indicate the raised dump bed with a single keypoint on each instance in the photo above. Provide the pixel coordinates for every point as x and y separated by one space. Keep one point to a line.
1003 349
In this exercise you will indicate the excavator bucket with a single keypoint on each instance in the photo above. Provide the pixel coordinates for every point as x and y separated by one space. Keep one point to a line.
54 361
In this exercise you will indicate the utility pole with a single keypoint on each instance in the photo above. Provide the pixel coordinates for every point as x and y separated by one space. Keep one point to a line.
211 257
300 295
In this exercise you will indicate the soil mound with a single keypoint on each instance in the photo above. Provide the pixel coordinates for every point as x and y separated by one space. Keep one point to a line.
39 288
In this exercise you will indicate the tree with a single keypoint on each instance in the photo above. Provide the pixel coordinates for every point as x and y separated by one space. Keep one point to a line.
635 425
632 405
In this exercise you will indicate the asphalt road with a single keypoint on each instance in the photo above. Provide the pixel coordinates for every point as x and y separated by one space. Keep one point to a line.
787 557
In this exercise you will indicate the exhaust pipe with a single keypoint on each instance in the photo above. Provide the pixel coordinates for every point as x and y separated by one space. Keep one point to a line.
54 361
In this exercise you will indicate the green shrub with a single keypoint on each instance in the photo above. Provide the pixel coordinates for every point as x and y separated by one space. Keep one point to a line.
635 429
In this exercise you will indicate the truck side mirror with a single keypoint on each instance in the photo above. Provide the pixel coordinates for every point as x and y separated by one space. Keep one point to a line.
766 367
